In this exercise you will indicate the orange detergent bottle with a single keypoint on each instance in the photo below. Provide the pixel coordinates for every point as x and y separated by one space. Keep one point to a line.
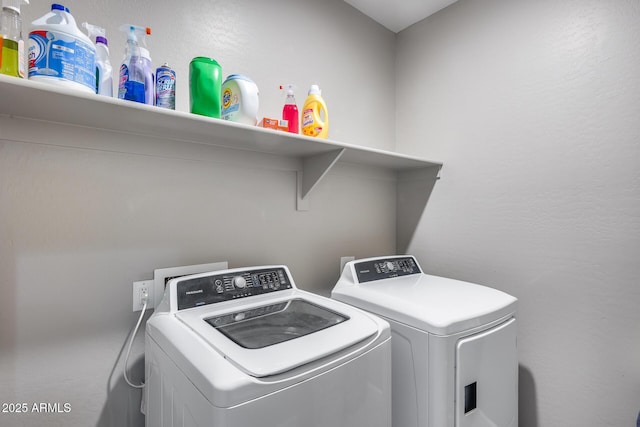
315 117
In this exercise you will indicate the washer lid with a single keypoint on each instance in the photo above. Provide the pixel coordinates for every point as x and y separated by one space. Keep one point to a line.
279 335
271 324
434 304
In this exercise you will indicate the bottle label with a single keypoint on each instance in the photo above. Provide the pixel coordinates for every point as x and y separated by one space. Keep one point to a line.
129 89
311 126
9 53
307 117
230 104
124 76
56 54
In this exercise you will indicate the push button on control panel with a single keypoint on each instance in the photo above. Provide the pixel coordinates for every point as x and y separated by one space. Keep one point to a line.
218 285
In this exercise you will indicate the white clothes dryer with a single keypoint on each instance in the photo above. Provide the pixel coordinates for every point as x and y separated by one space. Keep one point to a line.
454 357
244 347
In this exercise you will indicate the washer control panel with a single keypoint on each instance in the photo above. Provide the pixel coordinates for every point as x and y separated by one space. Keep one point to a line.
222 287
386 268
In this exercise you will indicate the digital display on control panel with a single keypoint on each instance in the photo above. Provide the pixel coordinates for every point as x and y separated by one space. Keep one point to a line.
224 287
368 271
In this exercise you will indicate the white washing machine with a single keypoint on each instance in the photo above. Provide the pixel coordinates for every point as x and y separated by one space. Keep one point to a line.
245 347
454 343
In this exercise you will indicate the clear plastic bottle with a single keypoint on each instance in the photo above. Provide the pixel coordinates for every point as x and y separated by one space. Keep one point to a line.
11 43
290 111
136 77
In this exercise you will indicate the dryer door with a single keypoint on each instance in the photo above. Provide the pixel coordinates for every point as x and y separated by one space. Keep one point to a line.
487 378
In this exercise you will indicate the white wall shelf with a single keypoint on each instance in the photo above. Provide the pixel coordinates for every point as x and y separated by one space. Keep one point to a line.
33 100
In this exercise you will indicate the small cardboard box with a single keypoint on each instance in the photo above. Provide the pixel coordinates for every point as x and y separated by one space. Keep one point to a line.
276 124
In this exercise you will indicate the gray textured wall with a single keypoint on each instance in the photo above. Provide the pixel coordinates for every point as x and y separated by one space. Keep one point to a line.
533 108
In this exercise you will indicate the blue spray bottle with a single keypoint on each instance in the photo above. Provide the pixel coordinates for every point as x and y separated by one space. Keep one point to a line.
134 83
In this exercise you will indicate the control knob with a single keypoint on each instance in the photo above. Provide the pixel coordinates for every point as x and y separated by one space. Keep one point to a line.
239 282
390 266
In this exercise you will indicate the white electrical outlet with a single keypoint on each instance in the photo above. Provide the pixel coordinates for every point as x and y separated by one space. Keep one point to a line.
155 288
139 290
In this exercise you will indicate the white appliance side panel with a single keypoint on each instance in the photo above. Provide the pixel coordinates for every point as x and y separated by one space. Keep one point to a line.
409 375
487 378
173 400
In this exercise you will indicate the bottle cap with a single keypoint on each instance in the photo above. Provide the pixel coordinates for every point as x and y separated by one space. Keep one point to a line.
315 90
205 60
238 77
14 4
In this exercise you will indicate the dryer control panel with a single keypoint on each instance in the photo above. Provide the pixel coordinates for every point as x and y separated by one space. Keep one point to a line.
222 287
385 268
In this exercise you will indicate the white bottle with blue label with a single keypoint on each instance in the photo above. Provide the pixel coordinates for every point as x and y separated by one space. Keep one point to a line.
59 53
104 70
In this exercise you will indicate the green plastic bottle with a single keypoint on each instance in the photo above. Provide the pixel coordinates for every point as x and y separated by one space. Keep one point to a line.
205 86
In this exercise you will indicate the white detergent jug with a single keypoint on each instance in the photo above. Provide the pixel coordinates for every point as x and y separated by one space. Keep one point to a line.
240 101
61 54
